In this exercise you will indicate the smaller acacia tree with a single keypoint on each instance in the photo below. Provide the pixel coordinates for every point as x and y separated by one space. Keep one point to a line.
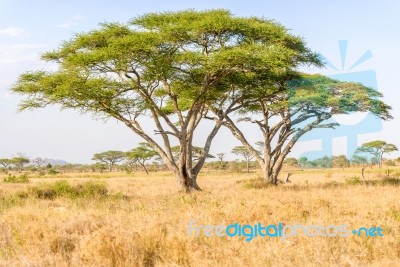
141 154
109 157
298 104
362 162
221 159
376 148
243 152
5 163
19 161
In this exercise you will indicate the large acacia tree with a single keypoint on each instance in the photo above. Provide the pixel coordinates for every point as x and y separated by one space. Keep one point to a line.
165 69
300 103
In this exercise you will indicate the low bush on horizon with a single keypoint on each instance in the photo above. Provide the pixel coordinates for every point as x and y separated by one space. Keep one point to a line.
21 179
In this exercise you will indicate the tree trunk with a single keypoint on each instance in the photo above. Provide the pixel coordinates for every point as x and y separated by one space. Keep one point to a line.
187 181
248 166
144 167
287 177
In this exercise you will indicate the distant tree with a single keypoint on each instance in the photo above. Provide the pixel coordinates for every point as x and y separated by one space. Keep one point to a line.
141 154
376 148
340 161
324 162
293 162
361 161
39 162
109 157
390 162
5 163
19 161
245 154
303 162
221 159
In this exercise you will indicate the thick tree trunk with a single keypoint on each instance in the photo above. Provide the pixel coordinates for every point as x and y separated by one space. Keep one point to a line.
187 181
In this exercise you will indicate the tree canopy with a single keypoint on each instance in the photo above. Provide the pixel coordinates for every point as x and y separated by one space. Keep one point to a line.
376 148
109 157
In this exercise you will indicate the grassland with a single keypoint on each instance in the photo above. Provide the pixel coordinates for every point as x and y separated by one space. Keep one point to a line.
142 220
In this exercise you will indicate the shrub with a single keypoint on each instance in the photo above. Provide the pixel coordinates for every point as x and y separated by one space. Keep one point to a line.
52 172
64 189
23 178
91 189
255 183
355 180
390 181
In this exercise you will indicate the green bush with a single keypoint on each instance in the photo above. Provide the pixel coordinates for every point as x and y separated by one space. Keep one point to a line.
92 189
52 172
23 178
255 183
355 180
390 181
64 189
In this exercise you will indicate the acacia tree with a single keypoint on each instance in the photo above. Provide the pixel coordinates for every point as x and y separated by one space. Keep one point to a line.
19 161
141 154
362 162
5 163
303 103
376 148
109 157
169 68
243 152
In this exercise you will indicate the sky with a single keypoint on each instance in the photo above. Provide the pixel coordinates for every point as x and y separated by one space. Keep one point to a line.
28 28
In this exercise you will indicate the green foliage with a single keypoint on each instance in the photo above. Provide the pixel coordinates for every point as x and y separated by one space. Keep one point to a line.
390 163
109 157
377 149
390 181
21 179
255 183
143 152
20 161
63 188
243 152
293 162
52 171
353 180
5 163
324 162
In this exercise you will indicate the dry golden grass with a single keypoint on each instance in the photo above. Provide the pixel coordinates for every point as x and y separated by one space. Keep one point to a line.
149 226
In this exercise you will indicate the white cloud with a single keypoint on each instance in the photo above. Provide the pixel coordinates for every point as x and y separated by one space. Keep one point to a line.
14 32
72 22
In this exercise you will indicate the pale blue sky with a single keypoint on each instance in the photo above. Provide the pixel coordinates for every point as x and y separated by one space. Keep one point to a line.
30 27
